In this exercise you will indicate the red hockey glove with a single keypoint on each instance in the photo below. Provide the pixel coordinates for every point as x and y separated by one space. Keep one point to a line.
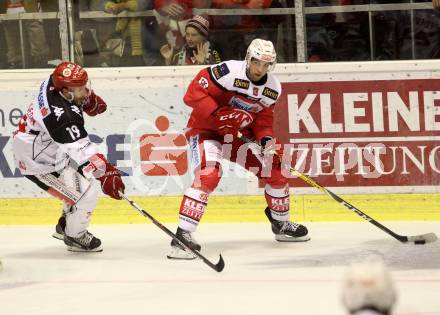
272 151
230 120
107 174
94 105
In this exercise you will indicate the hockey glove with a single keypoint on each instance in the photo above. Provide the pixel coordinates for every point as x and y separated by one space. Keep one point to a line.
272 151
107 174
230 120
94 105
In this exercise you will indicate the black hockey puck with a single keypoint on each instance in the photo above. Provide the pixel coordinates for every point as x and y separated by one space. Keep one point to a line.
420 242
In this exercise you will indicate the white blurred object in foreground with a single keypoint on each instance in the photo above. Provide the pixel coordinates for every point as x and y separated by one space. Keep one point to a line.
369 289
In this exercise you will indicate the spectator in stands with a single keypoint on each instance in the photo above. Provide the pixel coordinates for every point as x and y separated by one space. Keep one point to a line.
426 34
197 49
368 289
129 30
280 29
385 33
393 33
52 30
337 37
233 33
92 46
151 37
2 46
33 29
172 16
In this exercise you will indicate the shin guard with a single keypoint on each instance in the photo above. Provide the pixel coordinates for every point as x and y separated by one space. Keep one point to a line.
278 201
193 206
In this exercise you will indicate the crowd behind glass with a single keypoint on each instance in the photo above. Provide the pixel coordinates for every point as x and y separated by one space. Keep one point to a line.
171 32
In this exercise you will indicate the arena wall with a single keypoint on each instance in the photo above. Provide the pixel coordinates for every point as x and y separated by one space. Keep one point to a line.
368 131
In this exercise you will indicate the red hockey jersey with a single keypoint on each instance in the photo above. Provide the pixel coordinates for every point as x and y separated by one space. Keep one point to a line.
226 84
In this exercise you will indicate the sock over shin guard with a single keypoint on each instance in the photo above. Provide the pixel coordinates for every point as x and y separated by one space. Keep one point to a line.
278 201
192 208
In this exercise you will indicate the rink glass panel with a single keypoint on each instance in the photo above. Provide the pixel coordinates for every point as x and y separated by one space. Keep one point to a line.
302 31
30 35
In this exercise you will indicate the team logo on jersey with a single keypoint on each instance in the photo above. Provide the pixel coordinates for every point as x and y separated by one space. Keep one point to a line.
241 104
220 71
44 112
270 93
255 91
241 84
203 82
241 116
76 110
58 111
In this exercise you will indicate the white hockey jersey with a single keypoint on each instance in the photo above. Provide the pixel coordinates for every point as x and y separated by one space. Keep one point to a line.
50 133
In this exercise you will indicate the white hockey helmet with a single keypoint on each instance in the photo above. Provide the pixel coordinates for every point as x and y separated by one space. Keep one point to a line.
262 50
368 284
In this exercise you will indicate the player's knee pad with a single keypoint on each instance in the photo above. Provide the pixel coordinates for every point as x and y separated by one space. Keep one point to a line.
207 178
86 187
78 218
89 199
70 187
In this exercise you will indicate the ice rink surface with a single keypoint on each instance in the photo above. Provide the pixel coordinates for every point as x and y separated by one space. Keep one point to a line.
262 276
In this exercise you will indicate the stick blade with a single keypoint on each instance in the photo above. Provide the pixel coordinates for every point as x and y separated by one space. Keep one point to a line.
423 238
220 265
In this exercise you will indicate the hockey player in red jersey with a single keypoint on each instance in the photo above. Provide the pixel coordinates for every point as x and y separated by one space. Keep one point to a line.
228 99
49 136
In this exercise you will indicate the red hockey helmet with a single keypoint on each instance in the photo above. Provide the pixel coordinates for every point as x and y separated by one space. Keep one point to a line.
69 75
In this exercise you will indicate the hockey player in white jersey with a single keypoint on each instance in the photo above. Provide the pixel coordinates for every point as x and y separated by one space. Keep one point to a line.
231 98
49 136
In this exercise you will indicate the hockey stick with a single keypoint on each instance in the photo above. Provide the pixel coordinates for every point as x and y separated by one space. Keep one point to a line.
217 267
416 239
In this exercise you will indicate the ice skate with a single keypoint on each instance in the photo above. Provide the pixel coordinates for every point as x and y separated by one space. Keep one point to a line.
60 228
286 231
85 243
177 251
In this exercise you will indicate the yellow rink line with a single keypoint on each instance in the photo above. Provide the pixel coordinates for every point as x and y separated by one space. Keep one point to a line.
230 209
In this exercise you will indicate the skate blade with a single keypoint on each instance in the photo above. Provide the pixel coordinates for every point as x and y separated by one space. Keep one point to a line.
80 250
285 238
58 236
180 254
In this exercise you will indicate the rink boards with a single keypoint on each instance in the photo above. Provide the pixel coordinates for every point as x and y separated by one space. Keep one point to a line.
222 209
368 131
